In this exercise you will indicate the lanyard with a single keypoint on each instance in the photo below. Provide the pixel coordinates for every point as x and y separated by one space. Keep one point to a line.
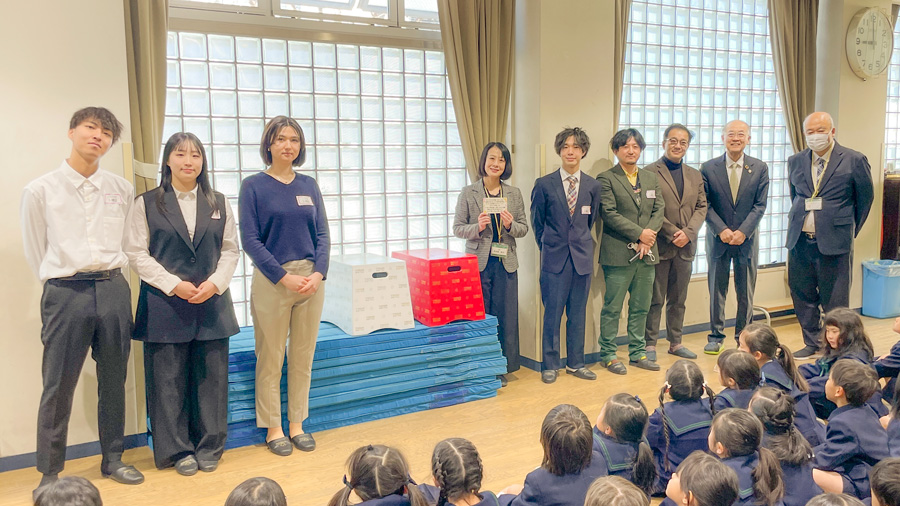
494 221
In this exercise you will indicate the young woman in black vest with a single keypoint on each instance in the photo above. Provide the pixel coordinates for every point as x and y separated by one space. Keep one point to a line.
182 242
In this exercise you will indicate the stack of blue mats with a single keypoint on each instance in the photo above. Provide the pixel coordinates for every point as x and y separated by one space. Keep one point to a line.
386 373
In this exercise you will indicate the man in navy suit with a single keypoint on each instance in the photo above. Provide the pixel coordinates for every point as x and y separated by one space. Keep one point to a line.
831 194
737 189
564 205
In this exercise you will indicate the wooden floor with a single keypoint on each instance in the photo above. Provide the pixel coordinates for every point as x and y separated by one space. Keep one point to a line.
505 430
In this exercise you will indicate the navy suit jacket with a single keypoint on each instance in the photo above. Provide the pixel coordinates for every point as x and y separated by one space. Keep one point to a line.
559 234
847 194
724 212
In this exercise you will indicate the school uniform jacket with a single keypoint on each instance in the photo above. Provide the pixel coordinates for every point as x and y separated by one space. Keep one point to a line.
162 318
799 486
733 398
744 466
543 488
773 375
893 432
688 425
816 375
854 442
889 365
432 494
388 500
618 458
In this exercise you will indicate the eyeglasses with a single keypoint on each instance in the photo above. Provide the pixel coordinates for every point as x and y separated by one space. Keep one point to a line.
675 142
735 135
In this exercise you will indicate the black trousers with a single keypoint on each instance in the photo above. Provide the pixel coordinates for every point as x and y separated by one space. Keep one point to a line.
818 283
78 316
744 287
187 399
501 299
566 291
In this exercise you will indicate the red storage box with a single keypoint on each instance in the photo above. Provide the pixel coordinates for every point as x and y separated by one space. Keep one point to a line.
444 285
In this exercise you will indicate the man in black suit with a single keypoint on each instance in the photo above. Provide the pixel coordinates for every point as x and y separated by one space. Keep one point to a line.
564 204
737 187
831 194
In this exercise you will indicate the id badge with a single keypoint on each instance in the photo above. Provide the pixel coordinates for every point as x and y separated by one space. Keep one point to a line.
499 250
814 204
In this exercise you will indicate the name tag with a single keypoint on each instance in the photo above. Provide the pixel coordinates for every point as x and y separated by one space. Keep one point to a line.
499 250
216 215
113 199
304 200
814 204
585 209
651 194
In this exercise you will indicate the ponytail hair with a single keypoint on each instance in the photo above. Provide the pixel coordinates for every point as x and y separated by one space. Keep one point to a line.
615 491
377 471
741 433
852 338
776 410
708 480
739 366
567 440
759 337
627 418
457 469
684 382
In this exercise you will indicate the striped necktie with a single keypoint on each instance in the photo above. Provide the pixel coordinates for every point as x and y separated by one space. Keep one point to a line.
820 167
571 195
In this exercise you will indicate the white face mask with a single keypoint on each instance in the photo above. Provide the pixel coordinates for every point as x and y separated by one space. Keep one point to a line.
818 142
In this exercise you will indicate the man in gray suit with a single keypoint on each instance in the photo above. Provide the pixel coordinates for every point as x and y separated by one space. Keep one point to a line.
682 190
737 187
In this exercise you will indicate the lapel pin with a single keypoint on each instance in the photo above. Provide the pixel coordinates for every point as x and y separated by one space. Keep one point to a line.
747 167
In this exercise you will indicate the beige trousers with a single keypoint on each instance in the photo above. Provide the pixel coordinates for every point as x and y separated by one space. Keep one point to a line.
278 314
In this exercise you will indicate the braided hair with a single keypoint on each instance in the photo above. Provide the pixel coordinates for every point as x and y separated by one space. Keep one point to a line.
684 382
457 469
377 471
775 409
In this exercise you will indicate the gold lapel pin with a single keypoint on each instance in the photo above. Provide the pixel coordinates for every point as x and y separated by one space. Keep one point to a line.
747 168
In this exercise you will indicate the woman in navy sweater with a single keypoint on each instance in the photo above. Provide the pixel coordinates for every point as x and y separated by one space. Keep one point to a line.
285 232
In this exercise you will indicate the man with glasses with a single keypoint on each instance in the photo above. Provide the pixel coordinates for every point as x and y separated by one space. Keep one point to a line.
685 209
737 187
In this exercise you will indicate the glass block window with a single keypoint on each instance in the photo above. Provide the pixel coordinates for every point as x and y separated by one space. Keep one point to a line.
892 116
379 125
703 63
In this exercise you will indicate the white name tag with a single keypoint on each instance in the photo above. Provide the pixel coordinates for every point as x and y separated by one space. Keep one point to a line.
499 250
494 205
585 209
113 198
814 204
651 194
304 200
216 215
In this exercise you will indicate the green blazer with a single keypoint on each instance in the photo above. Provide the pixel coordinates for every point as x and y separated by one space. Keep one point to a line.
623 219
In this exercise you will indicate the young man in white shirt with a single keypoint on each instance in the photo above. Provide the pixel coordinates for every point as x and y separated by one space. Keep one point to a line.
73 221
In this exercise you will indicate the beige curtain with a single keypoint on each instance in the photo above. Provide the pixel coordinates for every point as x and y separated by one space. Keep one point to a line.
145 40
792 32
895 10
623 10
478 49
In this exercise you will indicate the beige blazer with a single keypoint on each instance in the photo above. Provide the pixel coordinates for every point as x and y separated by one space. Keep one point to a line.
465 224
686 213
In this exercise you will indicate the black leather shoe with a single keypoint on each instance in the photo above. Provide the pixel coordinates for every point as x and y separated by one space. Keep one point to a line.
806 352
280 446
503 380
548 376
615 367
643 363
304 442
187 466
124 474
207 466
582 372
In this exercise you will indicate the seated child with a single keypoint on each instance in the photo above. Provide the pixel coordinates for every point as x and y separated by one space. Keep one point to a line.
888 366
736 438
739 374
257 492
885 478
69 491
378 476
457 472
891 423
834 500
702 480
615 491
619 441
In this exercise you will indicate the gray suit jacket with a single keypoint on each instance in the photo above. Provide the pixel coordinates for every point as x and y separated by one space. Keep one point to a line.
743 214
686 213
465 224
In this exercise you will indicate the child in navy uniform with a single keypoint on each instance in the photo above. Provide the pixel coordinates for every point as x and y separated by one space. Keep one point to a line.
775 409
888 366
843 337
377 475
702 480
739 374
885 479
778 369
736 438
619 441
568 468
680 426
834 500
457 471
855 440
257 491
615 491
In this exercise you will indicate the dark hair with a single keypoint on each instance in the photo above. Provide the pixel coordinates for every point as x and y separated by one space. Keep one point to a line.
678 126
581 140
708 479
741 367
760 337
775 408
456 467
622 136
204 189
885 479
567 440
507 172
684 382
69 491
273 127
852 337
377 471
858 380
831 499
741 433
101 115
615 491
627 418
258 491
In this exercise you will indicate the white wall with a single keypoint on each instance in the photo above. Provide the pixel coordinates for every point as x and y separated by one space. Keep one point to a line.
57 56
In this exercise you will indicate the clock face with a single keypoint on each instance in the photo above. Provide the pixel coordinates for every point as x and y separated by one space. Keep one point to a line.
870 42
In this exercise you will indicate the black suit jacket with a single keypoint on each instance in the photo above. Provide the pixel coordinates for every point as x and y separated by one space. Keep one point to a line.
847 194
743 214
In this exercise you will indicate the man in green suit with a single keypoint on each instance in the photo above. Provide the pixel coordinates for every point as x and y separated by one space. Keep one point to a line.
631 207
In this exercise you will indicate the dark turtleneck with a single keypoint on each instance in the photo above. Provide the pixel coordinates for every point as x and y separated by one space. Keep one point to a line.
675 172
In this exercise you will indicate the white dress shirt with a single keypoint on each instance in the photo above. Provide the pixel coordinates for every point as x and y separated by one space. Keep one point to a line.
137 245
809 222
565 175
71 223
731 166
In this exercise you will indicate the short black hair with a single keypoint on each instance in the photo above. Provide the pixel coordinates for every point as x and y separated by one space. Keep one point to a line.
581 139
567 439
831 499
271 131
69 491
507 173
885 478
678 126
259 491
101 115
621 138
858 380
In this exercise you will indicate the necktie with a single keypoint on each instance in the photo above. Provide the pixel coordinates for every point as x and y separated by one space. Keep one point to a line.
734 180
571 195
820 167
